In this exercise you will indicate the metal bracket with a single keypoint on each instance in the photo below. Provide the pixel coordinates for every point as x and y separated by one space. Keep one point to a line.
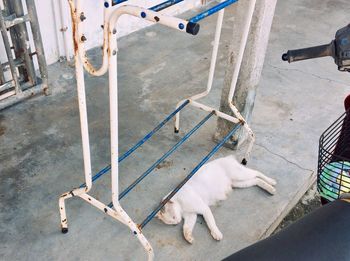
12 20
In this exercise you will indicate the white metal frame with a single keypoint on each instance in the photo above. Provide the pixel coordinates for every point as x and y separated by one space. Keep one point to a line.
110 63
238 118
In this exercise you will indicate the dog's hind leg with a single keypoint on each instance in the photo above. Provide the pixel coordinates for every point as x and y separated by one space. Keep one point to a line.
271 181
255 182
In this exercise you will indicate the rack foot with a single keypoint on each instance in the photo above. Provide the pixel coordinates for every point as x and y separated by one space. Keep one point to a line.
64 230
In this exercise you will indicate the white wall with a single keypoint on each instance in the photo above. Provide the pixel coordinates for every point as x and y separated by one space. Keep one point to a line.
51 22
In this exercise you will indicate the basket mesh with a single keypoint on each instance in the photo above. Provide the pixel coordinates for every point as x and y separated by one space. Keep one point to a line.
333 175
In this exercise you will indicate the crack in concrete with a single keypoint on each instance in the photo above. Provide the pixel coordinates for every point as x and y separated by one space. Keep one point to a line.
311 74
294 200
284 158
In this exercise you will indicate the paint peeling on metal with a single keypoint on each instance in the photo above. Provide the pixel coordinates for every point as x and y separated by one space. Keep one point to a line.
74 26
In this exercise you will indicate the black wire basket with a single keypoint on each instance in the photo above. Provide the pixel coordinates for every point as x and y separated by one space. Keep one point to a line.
333 175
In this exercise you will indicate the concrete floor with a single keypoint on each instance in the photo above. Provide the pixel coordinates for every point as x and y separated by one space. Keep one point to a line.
41 147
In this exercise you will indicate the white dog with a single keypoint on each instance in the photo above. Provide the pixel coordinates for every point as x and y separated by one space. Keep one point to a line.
211 184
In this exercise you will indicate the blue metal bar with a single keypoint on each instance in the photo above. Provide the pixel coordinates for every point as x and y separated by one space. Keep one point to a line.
164 5
98 175
140 143
211 11
155 8
116 2
177 145
149 135
162 204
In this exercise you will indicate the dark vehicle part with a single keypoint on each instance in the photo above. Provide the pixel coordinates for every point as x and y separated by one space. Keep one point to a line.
333 172
339 49
321 235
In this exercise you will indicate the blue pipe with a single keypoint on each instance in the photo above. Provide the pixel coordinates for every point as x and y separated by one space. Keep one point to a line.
140 143
116 2
177 145
194 19
149 135
155 8
211 11
162 204
164 5
98 175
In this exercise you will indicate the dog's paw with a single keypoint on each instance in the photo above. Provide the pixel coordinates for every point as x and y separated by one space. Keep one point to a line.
272 191
217 235
189 238
273 182
188 235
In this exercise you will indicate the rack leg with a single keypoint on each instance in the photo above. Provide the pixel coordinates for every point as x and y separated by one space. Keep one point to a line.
177 118
62 206
119 214
113 103
251 134
211 71
85 142
237 69
137 232
63 214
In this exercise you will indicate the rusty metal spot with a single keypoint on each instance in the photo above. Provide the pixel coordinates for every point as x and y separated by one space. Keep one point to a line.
242 122
74 25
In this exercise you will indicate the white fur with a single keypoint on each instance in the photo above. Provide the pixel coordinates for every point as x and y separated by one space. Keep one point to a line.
211 184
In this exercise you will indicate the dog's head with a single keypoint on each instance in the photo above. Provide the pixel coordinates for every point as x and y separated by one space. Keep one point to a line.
170 214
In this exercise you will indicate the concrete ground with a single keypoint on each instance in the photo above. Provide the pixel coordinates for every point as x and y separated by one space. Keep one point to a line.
41 146
307 204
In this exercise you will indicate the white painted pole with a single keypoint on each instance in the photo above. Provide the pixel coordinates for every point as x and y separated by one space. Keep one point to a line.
113 75
83 110
242 47
241 91
113 112
213 56
84 127
211 70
